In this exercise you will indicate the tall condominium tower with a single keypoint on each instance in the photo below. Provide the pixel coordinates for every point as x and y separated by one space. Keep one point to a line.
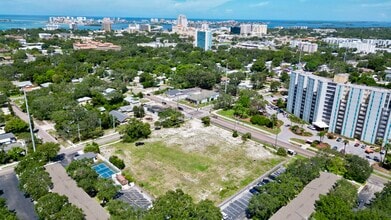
203 39
353 111
182 21
106 24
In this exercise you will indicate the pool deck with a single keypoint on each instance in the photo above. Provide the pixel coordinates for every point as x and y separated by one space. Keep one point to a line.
64 185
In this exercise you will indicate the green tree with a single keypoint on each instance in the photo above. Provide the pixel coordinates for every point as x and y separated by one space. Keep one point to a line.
274 86
50 204
48 151
178 205
135 130
358 169
16 125
321 135
246 136
106 189
120 210
4 212
282 152
116 161
92 147
235 134
206 121
138 111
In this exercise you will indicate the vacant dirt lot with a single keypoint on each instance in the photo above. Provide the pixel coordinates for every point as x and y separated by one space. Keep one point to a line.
206 162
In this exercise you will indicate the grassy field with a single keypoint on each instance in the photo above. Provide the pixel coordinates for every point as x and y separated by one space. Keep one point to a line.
230 114
214 172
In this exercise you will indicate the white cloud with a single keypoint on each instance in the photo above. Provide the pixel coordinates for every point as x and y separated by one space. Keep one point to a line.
260 4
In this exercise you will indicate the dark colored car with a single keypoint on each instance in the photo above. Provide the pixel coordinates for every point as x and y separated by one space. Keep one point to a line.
180 108
139 143
254 190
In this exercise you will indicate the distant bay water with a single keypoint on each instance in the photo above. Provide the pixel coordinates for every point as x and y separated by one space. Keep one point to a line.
33 21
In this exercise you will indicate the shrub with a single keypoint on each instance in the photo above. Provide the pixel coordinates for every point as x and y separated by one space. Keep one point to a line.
206 121
117 162
261 120
246 136
281 152
235 134
93 147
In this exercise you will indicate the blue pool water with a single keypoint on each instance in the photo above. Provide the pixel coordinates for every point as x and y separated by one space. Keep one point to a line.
103 170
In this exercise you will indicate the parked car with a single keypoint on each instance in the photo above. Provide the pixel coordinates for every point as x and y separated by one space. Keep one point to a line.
164 103
339 139
335 148
180 108
139 143
291 152
311 127
254 190
357 144
382 152
375 158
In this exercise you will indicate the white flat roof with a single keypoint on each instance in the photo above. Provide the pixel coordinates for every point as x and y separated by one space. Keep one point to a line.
320 124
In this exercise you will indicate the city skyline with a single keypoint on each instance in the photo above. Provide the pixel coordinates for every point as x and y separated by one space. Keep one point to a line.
316 10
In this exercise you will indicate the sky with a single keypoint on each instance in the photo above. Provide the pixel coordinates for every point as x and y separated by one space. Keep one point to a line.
319 10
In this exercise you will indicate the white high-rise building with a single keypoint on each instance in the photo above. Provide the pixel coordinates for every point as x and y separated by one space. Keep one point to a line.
353 111
182 21
245 29
106 24
259 30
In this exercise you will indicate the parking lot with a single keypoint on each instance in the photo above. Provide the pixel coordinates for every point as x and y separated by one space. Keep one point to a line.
135 198
237 206
16 200
367 193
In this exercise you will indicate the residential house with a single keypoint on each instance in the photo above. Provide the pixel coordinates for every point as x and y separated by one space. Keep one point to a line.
132 100
119 116
203 96
88 155
84 101
7 138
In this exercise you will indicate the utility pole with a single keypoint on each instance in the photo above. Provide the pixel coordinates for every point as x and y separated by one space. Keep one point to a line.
226 79
113 122
29 117
78 131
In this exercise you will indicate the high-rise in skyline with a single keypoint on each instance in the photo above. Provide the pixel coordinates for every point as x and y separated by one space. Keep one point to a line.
203 39
106 24
353 111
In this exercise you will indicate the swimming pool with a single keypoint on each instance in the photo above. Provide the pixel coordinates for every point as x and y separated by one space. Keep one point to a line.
103 170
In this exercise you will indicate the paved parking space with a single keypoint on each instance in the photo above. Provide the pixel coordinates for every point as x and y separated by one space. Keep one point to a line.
367 193
135 198
16 200
64 185
237 206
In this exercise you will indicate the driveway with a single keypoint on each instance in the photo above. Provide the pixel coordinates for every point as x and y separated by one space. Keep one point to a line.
16 200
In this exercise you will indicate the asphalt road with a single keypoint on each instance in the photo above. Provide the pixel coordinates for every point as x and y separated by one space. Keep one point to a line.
46 137
16 200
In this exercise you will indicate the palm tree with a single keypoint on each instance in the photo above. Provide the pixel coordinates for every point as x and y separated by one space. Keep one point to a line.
345 142
321 135
386 147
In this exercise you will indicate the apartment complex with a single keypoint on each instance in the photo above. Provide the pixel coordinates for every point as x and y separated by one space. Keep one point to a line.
306 47
253 29
352 111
